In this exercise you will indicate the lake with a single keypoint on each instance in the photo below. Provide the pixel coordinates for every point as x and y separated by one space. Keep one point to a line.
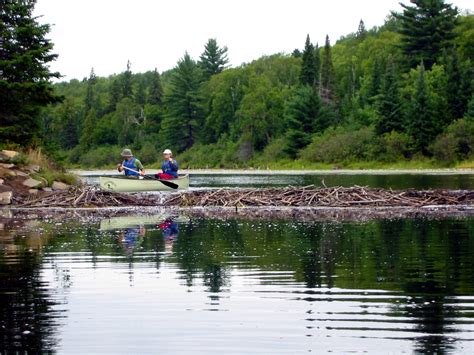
377 179
177 285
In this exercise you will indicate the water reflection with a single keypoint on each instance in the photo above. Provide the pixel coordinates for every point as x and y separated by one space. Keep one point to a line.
404 285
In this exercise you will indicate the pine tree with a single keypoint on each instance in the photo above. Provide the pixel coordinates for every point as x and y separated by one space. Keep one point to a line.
426 28
389 103
327 72
361 31
25 54
181 126
317 66
213 59
155 96
89 100
422 127
301 113
308 70
127 81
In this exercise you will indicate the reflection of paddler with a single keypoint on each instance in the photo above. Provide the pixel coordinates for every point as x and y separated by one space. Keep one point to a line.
170 232
129 237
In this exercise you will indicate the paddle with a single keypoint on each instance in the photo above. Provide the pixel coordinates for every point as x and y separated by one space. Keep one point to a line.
164 182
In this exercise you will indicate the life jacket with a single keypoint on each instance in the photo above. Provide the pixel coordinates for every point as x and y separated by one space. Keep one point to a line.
131 165
170 168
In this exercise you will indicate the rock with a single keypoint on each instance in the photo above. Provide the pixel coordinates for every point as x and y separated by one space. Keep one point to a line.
1 181
32 183
9 154
6 197
7 166
33 168
6 172
21 173
57 185
47 189
33 191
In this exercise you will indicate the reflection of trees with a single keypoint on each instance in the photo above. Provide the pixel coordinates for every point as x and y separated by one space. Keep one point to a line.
27 321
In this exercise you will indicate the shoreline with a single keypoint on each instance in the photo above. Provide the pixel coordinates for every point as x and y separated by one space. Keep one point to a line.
99 172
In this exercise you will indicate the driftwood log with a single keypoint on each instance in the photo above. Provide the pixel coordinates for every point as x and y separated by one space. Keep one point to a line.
309 196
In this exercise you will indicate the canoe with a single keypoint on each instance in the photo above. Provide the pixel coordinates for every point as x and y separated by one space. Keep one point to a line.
126 184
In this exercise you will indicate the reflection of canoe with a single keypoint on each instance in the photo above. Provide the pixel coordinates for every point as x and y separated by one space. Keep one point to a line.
124 184
135 221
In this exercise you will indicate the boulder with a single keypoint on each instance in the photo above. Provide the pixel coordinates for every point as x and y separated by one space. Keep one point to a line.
33 168
21 173
32 183
47 189
7 166
6 172
8 154
33 191
57 185
6 197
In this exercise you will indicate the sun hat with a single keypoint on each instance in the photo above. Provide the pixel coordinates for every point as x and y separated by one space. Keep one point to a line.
126 153
167 151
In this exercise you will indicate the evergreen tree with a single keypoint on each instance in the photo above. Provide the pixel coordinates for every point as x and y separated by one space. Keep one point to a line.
213 59
301 113
24 72
470 109
140 95
181 126
89 100
422 127
375 80
327 72
297 53
155 96
88 128
115 94
361 31
127 81
317 66
426 28
308 70
389 103
456 100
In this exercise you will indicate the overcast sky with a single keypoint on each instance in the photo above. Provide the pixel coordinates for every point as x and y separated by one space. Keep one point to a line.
104 34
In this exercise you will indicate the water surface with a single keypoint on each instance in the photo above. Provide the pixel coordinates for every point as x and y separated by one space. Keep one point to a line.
201 286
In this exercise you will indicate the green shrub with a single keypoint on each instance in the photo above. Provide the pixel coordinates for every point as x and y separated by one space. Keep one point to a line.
394 146
340 146
149 153
456 143
217 155
274 151
100 157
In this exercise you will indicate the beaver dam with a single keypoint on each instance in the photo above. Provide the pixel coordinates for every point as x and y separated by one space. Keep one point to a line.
308 196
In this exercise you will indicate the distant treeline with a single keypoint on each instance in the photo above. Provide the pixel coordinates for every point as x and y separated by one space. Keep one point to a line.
402 91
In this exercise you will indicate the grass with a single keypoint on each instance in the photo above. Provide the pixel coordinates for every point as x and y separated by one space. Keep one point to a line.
48 170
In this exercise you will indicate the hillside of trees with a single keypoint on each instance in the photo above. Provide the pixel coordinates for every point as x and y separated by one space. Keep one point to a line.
394 94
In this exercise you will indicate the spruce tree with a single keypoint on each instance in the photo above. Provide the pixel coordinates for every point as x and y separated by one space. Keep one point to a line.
308 70
127 81
25 54
301 113
361 31
426 27
184 118
327 72
155 96
115 94
140 95
317 66
213 59
422 126
89 100
389 103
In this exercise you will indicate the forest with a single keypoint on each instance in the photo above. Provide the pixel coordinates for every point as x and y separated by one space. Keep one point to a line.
398 95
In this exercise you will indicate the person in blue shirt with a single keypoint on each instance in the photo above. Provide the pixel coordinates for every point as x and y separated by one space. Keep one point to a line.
169 167
130 165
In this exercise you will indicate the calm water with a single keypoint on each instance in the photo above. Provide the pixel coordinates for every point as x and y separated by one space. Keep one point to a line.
205 286
394 181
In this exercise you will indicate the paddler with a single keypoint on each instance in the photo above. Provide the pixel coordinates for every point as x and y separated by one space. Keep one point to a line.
130 165
169 167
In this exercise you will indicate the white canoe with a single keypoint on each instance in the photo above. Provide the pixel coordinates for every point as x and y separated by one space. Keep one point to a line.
133 221
133 184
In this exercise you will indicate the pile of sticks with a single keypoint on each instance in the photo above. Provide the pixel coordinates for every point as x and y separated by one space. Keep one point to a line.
85 197
310 196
